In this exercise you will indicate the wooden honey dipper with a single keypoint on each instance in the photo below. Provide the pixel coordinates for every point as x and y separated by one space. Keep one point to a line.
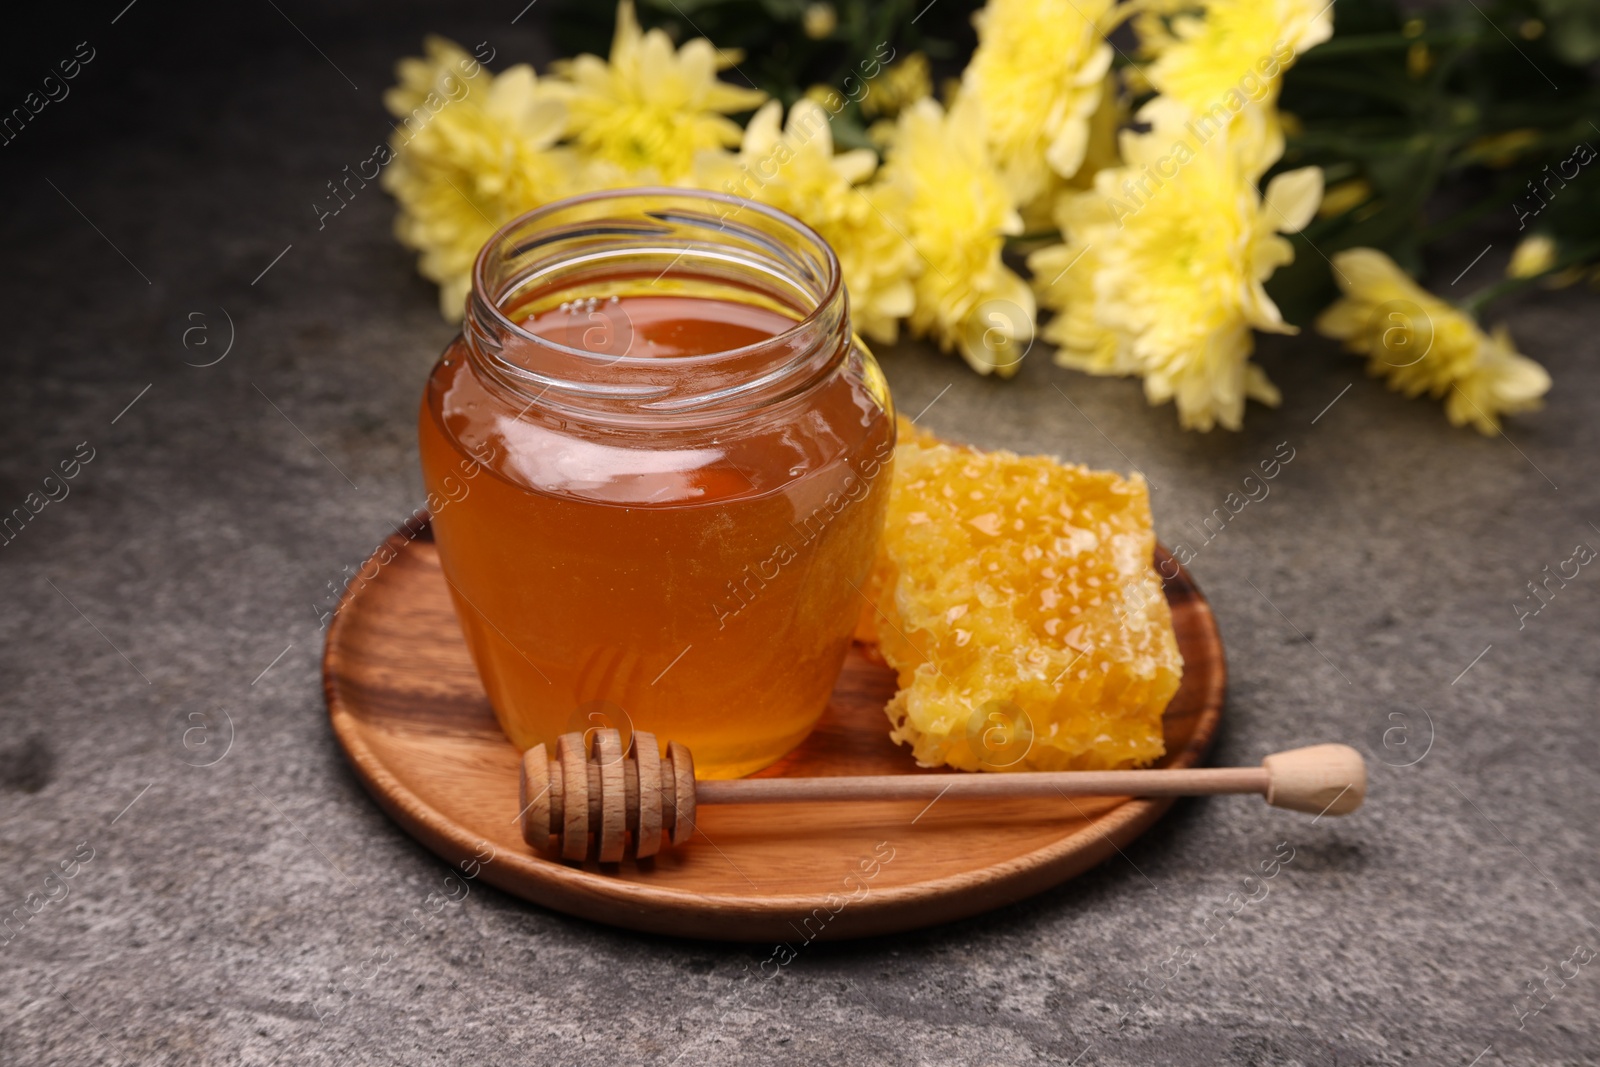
613 795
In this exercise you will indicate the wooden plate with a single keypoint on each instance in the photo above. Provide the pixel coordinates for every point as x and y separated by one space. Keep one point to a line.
407 707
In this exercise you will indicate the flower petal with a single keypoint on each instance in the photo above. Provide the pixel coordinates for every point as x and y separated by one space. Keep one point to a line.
1292 199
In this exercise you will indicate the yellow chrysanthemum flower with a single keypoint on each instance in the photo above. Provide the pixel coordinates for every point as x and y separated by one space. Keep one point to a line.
1500 150
819 21
1100 152
1346 196
443 73
1420 343
898 86
1535 255
470 153
1236 51
795 170
957 215
651 108
1163 267
1037 76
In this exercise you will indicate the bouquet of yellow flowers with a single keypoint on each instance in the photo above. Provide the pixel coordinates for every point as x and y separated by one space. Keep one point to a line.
1144 195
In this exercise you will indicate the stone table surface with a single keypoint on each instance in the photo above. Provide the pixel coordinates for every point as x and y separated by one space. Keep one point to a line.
228 913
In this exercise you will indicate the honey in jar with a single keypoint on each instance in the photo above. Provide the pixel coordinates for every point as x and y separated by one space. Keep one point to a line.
664 461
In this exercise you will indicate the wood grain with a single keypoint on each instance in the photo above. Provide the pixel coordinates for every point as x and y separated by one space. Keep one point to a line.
407 708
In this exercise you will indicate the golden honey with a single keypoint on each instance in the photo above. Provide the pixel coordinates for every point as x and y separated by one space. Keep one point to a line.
680 471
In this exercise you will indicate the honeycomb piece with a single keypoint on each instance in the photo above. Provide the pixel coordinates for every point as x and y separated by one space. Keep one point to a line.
1017 598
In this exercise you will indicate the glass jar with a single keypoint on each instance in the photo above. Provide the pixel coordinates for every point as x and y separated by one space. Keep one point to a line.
664 461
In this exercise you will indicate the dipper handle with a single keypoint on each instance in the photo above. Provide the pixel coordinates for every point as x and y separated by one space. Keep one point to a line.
1321 779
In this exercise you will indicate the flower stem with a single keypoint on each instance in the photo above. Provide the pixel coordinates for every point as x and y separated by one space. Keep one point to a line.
1475 303
1444 227
1481 299
1359 43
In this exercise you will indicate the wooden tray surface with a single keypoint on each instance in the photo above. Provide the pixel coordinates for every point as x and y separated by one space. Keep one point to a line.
408 709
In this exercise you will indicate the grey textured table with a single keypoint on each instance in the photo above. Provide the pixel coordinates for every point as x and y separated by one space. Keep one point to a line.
230 912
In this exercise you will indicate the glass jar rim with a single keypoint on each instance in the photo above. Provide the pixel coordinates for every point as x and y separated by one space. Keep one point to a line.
492 250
